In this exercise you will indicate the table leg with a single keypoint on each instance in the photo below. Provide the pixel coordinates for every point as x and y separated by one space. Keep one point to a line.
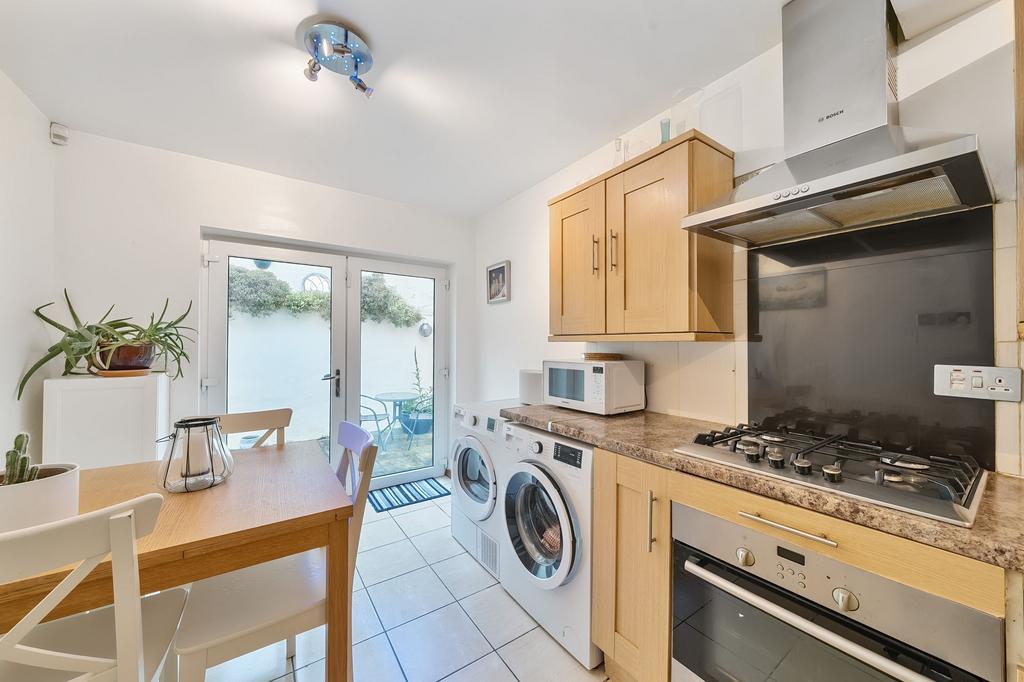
339 591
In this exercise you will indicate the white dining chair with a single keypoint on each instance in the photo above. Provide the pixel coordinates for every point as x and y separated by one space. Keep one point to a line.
242 611
126 642
271 422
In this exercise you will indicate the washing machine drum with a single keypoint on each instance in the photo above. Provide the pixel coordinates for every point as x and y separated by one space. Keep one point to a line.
475 481
540 525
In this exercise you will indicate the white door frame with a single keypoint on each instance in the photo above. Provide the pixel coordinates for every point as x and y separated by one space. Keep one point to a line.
441 357
214 341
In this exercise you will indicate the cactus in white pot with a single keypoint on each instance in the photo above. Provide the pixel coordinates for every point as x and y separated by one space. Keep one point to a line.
19 468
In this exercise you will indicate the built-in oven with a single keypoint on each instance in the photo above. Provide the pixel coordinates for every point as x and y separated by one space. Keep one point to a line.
748 607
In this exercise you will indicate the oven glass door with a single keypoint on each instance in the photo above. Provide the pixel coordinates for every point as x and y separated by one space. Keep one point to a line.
730 626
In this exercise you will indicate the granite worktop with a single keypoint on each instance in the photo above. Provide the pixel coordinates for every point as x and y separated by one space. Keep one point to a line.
996 538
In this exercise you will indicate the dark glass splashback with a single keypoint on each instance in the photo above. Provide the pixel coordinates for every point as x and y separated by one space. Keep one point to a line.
845 332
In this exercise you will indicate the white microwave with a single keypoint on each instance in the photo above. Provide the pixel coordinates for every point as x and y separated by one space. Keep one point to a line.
611 387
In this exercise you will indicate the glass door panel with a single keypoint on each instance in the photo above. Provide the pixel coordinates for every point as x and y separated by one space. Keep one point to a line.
273 340
396 320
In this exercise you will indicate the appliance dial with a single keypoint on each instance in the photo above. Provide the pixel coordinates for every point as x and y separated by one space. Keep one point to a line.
473 420
845 600
744 557
536 447
832 473
752 456
802 466
776 457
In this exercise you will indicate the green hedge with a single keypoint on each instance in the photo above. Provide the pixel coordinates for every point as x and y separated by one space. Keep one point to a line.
260 293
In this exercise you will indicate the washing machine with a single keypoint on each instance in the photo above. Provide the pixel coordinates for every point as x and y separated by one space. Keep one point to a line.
477 441
546 489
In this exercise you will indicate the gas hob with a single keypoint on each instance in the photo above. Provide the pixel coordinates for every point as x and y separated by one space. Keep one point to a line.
943 487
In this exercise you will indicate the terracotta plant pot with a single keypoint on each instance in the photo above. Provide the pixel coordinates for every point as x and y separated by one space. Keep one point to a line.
51 497
132 357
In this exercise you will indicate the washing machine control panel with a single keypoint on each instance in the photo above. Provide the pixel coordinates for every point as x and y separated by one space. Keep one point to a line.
567 454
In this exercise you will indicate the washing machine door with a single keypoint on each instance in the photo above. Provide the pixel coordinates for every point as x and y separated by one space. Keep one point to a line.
540 525
474 482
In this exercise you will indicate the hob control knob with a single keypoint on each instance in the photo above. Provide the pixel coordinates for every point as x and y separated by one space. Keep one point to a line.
752 456
802 466
536 447
744 557
776 460
845 600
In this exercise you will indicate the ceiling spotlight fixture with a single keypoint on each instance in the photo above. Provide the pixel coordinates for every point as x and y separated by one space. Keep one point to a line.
338 49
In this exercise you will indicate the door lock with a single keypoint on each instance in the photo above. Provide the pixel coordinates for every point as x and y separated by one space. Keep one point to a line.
337 381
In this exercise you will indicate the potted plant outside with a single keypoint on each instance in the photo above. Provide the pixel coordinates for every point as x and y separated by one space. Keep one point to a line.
417 415
113 345
31 494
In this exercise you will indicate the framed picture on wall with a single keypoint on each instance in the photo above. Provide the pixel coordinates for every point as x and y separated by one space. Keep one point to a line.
498 284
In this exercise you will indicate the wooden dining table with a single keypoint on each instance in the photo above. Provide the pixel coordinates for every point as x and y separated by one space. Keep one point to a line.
280 500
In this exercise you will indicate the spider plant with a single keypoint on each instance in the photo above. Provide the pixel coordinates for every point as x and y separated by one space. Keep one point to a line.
89 346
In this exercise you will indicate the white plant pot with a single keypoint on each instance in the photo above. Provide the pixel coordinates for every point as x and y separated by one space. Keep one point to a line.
48 498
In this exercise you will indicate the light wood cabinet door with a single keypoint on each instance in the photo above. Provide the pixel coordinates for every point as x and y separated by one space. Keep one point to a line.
577 263
649 254
632 565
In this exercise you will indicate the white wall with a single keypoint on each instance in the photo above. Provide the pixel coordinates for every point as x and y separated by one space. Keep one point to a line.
743 110
26 276
128 221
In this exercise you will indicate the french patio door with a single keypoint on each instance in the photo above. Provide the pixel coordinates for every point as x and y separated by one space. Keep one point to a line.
334 338
397 365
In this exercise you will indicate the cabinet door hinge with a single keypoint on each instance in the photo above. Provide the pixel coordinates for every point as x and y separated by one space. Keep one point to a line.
445 373
206 382
207 259
447 284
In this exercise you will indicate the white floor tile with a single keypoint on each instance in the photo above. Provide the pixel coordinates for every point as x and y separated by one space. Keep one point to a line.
438 644
437 545
409 508
313 672
408 596
423 520
357 582
379 533
267 663
365 623
374 661
463 575
310 646
445 505
538 658
497 615
371 516
490 668
378 565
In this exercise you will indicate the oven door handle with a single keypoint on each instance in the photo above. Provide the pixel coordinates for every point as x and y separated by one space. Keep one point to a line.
862 654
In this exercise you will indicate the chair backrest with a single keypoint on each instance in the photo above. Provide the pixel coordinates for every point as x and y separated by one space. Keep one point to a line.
355 469
86 539
269 421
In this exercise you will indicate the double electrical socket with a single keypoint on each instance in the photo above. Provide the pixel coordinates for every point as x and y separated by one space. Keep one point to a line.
981 383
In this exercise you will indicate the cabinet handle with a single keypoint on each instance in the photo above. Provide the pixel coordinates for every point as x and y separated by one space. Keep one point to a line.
615 250
650 519
795 531
594 255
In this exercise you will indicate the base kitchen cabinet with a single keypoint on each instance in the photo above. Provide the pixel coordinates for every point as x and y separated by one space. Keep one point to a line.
622 268
632 567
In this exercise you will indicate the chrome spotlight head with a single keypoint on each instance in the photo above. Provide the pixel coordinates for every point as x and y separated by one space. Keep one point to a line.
340 50
312 70
359 85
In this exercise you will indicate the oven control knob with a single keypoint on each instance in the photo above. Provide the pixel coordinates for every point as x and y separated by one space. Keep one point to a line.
845 600
802 466
536 447
744 556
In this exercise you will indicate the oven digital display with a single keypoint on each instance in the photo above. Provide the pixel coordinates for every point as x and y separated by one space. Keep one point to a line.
568 455
790 555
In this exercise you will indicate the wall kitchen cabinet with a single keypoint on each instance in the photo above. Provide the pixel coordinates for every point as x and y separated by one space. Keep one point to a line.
632 568
624 269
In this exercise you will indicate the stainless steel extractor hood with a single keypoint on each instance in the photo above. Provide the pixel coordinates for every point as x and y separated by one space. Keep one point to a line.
849 164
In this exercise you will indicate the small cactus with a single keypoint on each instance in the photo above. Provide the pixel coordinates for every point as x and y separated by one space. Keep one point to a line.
19 467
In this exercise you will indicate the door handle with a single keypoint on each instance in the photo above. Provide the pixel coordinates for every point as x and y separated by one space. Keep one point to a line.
615 250
594 255
789 529
650 519
337 381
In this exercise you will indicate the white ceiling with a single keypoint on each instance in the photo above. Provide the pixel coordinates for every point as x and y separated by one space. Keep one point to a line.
476 99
